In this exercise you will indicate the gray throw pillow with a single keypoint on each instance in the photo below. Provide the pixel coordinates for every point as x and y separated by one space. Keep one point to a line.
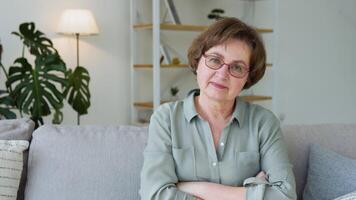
11 167
18 129
330 175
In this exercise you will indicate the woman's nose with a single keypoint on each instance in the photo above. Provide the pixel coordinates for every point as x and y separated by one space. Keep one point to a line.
224 71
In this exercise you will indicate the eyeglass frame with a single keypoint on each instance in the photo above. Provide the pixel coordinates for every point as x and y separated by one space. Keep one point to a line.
223 63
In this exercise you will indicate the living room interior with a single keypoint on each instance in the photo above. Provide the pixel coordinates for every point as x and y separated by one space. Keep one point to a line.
308 85
311 47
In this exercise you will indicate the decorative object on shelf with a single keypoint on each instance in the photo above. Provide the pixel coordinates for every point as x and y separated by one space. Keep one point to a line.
172 11
78 22
216 14
175 61
39 88
165 54
174 91
144 116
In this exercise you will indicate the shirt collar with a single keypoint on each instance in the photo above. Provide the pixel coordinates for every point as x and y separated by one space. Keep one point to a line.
189 107
239 112
190 111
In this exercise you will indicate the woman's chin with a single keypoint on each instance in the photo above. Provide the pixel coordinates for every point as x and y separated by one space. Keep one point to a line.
218 95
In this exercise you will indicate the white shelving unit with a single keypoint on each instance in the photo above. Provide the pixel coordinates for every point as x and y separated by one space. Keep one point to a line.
156 27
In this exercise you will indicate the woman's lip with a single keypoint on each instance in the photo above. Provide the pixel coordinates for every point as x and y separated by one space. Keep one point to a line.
217 85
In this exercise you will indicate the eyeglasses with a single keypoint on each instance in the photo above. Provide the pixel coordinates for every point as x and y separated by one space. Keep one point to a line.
238 70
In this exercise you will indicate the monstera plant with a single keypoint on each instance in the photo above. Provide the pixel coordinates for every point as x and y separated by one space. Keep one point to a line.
40 89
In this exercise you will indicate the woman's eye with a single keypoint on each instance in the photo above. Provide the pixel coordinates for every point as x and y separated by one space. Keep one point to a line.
215 60
236 68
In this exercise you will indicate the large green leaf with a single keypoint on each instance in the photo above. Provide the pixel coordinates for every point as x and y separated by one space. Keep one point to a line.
37 89
77 92
6 103
35 40
7 113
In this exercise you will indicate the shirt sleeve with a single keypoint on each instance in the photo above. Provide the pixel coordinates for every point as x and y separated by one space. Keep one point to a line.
158 176
280 183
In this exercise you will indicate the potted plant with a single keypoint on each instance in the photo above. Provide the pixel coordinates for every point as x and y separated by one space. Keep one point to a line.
174 92
39 89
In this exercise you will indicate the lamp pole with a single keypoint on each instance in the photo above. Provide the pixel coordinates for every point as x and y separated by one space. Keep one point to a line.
78 22
77 38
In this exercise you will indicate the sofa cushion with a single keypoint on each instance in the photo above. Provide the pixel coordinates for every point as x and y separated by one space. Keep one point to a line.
11 166
330 175
340 138
86 162
18 129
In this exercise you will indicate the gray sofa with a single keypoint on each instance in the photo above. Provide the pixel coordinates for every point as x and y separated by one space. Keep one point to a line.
104 162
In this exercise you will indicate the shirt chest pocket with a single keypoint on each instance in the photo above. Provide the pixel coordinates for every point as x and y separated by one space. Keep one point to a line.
184 161
240 166
248 164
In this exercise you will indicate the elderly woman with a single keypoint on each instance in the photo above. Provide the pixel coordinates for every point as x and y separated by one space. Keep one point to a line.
214 145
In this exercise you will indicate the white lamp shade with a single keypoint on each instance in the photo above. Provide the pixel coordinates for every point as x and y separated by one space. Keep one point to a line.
78 21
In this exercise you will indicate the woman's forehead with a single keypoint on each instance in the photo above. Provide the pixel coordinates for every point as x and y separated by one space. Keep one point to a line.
236 49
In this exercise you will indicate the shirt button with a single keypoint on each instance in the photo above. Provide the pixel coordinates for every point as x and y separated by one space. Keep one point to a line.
222 144
214 164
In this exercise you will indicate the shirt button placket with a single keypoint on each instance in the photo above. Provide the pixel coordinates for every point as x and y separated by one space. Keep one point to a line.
215 172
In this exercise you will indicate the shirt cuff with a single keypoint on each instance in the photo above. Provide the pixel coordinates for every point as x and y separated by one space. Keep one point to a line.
255 188
255 192
183 195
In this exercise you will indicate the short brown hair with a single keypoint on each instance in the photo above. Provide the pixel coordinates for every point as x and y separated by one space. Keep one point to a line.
220 32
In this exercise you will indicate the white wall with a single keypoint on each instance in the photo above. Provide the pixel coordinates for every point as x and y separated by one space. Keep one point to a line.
314 71
316 75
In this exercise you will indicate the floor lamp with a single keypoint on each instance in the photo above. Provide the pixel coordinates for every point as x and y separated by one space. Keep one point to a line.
78 22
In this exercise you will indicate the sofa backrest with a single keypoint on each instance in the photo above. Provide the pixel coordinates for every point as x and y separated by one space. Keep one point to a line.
104 162
86 162
340 138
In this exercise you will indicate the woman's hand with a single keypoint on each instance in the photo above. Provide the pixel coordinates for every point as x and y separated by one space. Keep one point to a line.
207 190
191 188
263 175
212 191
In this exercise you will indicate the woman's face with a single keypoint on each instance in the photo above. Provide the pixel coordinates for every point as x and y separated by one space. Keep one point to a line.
219 84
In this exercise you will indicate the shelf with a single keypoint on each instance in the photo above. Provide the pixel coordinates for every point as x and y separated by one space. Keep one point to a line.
186 27
174 27
149 66
141 124
149 105
162 65
250 98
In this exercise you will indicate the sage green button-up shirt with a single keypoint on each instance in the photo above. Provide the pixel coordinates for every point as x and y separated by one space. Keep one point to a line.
180 148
